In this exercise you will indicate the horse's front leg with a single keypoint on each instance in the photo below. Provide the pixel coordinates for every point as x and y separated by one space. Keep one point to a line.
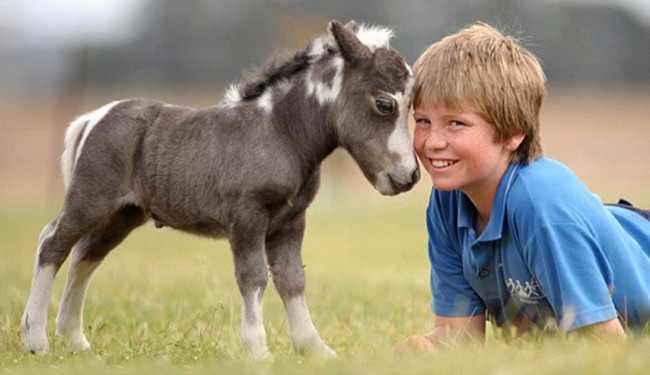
283 251
247 244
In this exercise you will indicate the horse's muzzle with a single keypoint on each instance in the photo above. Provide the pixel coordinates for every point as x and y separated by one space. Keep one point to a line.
400 186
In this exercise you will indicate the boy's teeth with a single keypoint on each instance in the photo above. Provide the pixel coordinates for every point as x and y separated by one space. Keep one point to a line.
441 163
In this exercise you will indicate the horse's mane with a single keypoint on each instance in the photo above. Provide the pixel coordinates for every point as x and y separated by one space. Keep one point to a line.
279 67
282 66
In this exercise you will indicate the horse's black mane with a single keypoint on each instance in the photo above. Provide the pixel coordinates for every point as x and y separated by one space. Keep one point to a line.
279 67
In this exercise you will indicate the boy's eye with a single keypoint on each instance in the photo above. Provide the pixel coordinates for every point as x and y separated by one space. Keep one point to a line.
422 121
455 123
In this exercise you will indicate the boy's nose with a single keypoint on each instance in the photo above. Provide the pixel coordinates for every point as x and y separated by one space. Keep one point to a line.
435 140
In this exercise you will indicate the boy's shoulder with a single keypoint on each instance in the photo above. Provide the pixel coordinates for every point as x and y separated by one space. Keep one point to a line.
546 173
547 185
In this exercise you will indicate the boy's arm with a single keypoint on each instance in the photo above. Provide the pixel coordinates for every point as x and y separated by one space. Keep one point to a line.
449 330
609 328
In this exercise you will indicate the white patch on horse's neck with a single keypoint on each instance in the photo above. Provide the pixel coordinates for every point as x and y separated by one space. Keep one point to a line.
284 86
374 36
324 91
318 50
232 96
265 101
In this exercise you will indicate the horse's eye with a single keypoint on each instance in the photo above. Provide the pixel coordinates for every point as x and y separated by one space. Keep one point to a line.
384 105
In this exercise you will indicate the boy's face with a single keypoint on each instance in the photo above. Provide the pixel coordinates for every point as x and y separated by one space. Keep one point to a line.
458 150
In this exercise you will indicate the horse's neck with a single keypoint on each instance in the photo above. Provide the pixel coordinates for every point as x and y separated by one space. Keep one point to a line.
307 126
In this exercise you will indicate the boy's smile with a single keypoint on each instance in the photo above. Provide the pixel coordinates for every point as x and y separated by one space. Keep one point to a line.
442 163
458 150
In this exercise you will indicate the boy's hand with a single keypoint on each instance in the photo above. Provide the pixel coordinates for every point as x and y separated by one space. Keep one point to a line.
414 344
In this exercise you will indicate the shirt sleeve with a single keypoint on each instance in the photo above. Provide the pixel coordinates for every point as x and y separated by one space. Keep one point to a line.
452 295
574 273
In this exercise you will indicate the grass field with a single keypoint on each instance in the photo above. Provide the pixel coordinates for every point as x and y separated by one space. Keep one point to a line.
166 302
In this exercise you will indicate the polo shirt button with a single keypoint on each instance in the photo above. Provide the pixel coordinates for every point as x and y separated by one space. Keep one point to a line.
483 274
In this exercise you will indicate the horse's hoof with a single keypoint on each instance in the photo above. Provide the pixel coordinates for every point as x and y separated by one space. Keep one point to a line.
37 348
78 344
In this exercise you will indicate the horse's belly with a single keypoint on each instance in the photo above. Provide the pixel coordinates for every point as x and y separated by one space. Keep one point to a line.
193 220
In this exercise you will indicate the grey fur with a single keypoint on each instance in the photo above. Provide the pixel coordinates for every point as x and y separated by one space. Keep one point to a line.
230 171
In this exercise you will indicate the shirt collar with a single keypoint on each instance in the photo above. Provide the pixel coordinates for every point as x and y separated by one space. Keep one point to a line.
467 211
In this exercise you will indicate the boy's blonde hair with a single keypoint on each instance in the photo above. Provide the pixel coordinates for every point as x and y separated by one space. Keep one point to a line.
479 69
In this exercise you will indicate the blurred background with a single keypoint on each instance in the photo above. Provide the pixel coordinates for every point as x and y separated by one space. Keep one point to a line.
60 59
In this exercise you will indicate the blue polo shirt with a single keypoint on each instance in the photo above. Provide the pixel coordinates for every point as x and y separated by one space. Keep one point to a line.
551 250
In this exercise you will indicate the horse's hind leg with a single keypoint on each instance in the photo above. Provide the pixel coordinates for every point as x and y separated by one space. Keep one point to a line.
78 217
87 255
35 317
55 242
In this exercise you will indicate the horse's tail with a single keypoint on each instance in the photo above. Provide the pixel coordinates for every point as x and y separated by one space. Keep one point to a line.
76 135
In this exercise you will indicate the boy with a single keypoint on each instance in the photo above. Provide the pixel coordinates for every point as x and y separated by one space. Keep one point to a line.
513 234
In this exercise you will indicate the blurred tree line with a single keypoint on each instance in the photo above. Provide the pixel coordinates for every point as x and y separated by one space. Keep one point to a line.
209 43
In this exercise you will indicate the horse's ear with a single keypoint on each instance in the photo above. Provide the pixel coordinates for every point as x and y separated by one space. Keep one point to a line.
353 26
352 50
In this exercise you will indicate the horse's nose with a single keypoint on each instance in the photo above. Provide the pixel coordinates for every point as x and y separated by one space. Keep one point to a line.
415 176
400 186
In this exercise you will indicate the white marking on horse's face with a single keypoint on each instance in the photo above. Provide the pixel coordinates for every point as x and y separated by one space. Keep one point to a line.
265 101
324 92
399 142
374 36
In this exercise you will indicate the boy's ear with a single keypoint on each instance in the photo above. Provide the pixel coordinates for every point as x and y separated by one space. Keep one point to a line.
352 50
513 143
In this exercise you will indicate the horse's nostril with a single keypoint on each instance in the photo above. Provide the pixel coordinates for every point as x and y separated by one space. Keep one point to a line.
402 187
416 175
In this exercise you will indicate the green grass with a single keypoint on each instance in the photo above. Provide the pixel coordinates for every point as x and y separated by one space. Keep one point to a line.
167 302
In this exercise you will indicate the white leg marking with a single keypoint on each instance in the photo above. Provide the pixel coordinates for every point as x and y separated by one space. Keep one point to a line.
34 320
303 333
69 321
252 326
399 143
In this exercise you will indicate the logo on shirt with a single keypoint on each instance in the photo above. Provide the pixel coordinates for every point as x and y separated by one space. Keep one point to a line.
528 292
